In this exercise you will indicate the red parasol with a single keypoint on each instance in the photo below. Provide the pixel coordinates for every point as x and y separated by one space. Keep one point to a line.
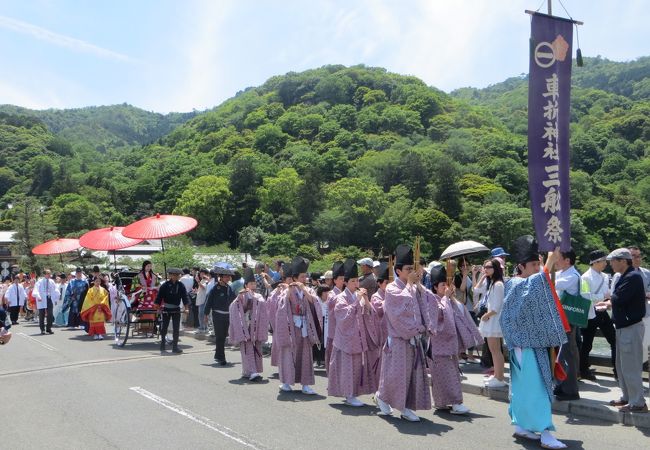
107 239
56 246
159 226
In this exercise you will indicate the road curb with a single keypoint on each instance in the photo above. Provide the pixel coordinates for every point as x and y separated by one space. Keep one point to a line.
583 407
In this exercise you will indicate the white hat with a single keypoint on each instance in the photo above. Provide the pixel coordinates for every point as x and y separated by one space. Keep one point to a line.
366 262
376 264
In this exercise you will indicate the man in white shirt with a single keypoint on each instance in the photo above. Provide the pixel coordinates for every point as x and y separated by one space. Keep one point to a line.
567 279
15 296
46 294
594 286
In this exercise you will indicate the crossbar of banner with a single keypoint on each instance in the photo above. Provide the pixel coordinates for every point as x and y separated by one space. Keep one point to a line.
533 13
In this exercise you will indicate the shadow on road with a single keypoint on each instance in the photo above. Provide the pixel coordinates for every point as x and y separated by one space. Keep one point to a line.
446 415
424 427
530 444
346 410
297 396
244 380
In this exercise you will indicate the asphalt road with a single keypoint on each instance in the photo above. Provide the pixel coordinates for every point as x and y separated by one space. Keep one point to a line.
68 391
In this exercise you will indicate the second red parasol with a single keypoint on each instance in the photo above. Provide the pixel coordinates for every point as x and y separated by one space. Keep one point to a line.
107 239
159 226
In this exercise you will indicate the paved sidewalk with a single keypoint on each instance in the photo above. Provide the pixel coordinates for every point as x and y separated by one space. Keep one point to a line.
594 398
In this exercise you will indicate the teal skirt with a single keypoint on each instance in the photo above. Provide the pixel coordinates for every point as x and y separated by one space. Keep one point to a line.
530 406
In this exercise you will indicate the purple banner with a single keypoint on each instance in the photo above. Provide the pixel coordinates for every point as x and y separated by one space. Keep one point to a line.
549 101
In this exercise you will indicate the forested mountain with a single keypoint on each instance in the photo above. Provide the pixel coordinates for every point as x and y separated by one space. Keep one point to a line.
337 157
104 127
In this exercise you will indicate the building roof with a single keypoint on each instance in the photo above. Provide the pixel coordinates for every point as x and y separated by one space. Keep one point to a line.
7 236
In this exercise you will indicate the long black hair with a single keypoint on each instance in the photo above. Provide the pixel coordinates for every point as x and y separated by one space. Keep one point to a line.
497 272
144 264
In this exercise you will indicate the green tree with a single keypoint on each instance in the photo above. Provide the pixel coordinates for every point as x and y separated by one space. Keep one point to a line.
269 139
279 244
206 199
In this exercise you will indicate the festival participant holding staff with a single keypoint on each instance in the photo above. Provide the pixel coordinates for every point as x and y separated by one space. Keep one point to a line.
249 326
378 300
403 381
354 356
338 280
445 375
533 324
295 331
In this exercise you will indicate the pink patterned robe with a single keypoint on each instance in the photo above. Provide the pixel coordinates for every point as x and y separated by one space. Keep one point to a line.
295 333
403 382
249 327
272 308
445 375
331 325
355 353
468 334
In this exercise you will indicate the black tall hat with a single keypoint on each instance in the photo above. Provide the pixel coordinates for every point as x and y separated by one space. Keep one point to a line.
438 275
404 255
350 269
286 270
337 269
299 265
525 249
382 271
249 275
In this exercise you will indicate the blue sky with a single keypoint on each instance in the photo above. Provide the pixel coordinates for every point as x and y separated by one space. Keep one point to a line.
179 55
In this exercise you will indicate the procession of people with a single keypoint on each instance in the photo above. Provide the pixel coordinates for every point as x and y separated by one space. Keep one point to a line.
396 331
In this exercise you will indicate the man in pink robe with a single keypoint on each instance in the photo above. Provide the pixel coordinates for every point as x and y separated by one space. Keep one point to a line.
249 326
403 382
354 354
272 306
378 300
295 331
338 281
445 375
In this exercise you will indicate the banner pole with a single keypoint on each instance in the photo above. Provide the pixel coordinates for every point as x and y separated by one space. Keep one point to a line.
550 7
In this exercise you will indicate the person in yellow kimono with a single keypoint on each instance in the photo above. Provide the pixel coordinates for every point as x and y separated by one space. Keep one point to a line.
96 310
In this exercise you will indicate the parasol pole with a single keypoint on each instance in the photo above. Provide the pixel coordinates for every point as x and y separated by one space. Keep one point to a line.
162 247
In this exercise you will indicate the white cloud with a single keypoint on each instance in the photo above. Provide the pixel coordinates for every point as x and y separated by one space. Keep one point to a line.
204 61
60 39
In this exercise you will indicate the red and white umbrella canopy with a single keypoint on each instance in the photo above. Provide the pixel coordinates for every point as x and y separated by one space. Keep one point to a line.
56 246
110 238
159 226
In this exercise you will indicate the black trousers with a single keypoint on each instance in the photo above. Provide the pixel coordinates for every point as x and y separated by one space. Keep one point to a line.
50 317
606 325
175 316
221 322
569 357
13 314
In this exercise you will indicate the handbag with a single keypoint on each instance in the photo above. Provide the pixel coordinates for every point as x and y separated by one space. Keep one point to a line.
576 308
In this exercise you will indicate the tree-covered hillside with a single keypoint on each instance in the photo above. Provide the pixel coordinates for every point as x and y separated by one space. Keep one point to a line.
339 156
104 127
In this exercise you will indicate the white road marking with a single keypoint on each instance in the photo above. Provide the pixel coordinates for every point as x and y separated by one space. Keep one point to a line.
42 344
223 430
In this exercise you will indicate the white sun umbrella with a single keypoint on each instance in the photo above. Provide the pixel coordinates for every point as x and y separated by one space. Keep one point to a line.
463 248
